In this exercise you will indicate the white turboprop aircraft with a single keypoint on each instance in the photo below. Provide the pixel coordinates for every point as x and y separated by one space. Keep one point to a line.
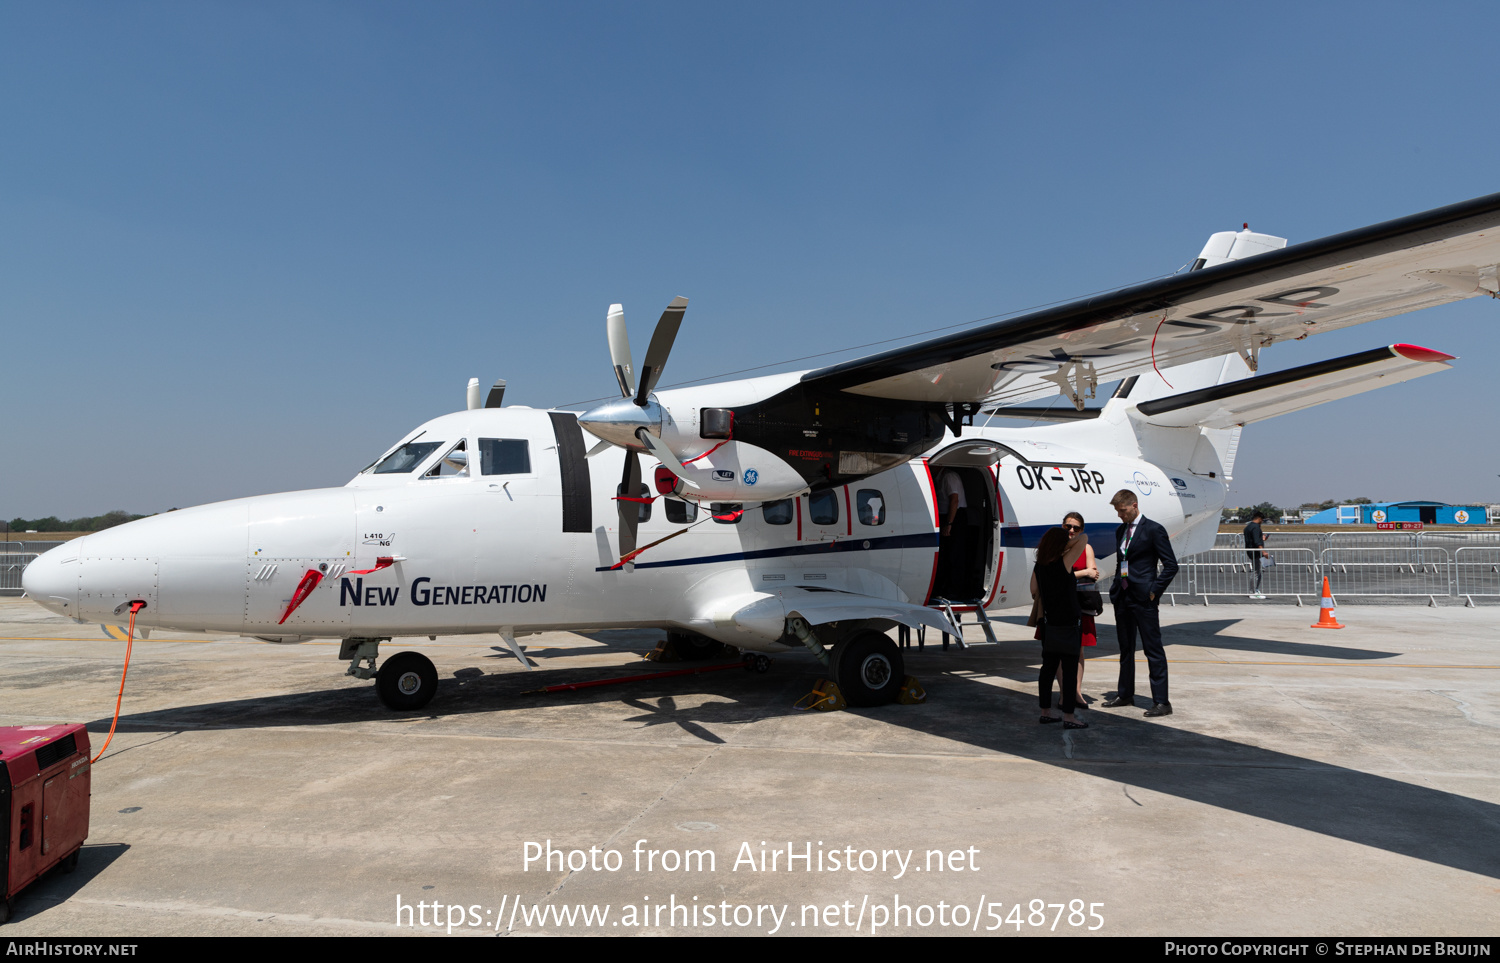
805 503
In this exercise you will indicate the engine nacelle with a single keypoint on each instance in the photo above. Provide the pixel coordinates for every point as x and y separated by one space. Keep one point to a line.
734 471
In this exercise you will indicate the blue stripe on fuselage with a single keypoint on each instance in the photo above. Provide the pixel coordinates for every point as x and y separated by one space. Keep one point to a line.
1101 536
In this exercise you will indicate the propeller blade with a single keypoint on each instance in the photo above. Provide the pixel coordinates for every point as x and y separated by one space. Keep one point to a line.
664 455
630 512
619 350
598 448
659 348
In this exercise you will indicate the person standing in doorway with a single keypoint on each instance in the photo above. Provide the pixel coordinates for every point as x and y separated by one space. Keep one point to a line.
954 540
1255 550
1144 566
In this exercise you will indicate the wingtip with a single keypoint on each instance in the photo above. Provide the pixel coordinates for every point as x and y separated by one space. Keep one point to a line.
1413 352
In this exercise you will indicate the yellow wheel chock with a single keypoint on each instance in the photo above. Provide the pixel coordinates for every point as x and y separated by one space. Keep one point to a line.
912 692
664 652
825 697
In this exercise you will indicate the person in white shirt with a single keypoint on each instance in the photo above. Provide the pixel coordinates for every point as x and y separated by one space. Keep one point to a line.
954 537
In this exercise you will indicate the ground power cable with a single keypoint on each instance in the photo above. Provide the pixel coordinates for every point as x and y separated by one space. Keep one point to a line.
135 607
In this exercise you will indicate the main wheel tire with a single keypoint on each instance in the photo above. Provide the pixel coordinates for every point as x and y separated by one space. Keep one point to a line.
407 680
691 647
869 669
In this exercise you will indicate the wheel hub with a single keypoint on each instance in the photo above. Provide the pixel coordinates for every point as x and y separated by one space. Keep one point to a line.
409 683
875 671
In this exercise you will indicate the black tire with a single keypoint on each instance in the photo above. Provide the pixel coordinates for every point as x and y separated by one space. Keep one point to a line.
70 862
407 680
869 670
691 647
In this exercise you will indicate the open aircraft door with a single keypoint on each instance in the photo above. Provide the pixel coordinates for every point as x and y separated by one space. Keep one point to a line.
969 558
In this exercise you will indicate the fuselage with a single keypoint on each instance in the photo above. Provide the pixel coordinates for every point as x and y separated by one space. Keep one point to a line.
480 542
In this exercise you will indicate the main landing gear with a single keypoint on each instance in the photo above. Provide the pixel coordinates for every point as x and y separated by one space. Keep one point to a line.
405 681
865 666
869 669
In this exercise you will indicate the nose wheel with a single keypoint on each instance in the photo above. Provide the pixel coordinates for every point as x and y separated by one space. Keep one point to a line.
406 680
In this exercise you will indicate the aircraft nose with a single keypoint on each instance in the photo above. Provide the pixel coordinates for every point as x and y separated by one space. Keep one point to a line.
51 580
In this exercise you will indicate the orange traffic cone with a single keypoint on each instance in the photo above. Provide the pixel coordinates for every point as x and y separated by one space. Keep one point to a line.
1325 613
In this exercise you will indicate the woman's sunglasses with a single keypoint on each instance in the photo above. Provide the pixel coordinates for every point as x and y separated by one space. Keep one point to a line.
1073 528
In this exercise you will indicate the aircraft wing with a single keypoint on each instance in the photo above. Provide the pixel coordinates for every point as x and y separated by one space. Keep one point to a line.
766 613
1256 399
1237 307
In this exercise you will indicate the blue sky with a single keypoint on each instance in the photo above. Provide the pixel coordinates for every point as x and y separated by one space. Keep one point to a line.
243 247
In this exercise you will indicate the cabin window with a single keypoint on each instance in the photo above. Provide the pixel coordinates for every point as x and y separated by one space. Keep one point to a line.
777 513
726 513
871 505
406 458
504 456
823 507
680 511
455 464
644 493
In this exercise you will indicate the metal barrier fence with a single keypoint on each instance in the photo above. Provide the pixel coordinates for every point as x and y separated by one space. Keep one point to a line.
1372 571
1476 571
33 546
1230 571
1374 565
11 564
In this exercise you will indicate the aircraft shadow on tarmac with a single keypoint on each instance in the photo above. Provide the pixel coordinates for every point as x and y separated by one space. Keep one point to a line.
1208 633
1122 746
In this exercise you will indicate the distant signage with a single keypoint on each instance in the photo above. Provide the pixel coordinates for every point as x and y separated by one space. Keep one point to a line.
1461 516
1399 526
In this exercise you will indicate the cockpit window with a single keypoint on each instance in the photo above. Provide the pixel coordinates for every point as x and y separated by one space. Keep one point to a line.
455 464
504 456
406 458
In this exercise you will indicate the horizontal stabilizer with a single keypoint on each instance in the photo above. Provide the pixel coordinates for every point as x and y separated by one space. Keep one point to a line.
1266 396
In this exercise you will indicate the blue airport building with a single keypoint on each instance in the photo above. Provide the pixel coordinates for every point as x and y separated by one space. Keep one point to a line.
1428 513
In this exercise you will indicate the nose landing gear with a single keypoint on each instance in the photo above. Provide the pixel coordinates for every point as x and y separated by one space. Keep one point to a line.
405 681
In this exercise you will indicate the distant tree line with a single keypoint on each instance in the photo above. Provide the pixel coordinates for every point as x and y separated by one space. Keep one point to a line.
52 523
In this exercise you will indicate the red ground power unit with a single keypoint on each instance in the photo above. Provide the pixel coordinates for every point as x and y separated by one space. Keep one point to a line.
44 803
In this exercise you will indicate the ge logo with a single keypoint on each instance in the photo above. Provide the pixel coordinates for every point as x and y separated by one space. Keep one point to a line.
751 476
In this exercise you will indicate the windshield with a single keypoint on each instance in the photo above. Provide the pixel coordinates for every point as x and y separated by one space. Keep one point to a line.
406 458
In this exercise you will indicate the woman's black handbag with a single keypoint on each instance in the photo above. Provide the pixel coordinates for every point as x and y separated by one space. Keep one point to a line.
1089 599
1061 639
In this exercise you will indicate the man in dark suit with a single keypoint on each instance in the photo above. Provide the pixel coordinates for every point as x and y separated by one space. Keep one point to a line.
1141 545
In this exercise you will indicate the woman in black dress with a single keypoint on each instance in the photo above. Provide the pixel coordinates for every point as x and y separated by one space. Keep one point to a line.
1058 590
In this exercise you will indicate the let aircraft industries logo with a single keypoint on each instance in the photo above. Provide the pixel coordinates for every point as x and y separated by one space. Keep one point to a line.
1181 489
